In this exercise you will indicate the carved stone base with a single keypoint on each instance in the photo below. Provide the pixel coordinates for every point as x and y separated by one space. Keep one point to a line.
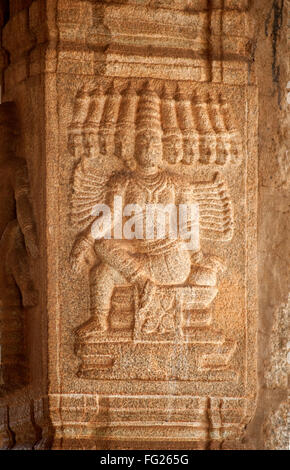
193 303
200 421
205 352
204 356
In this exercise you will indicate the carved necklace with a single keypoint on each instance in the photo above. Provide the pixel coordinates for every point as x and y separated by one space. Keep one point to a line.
152 183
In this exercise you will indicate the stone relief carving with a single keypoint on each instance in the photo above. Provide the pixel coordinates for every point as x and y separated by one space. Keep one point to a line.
126 142
18 243
152 315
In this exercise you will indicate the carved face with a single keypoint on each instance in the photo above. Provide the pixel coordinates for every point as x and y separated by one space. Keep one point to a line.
173 148
207 150
148 149
91 144
106 143
75 144
123 146
191 146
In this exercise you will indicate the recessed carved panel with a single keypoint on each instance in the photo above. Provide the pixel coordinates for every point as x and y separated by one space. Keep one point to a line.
155 308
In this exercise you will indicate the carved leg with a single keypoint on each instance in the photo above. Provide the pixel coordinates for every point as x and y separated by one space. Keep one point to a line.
103 280
18 264
123 262
15 274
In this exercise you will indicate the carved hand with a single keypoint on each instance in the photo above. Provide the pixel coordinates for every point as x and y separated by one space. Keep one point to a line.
31 243
80 254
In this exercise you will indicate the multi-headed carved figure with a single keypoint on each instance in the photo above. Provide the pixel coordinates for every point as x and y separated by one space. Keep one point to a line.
163 272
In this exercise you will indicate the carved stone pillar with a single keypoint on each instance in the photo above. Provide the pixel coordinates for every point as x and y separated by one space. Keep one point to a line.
127 341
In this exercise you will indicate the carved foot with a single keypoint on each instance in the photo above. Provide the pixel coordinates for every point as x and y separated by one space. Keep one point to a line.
91 327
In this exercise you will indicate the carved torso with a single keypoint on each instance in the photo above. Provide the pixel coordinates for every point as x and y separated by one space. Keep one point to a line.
167 260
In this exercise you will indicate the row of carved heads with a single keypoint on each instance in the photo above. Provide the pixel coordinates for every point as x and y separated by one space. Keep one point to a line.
195 129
